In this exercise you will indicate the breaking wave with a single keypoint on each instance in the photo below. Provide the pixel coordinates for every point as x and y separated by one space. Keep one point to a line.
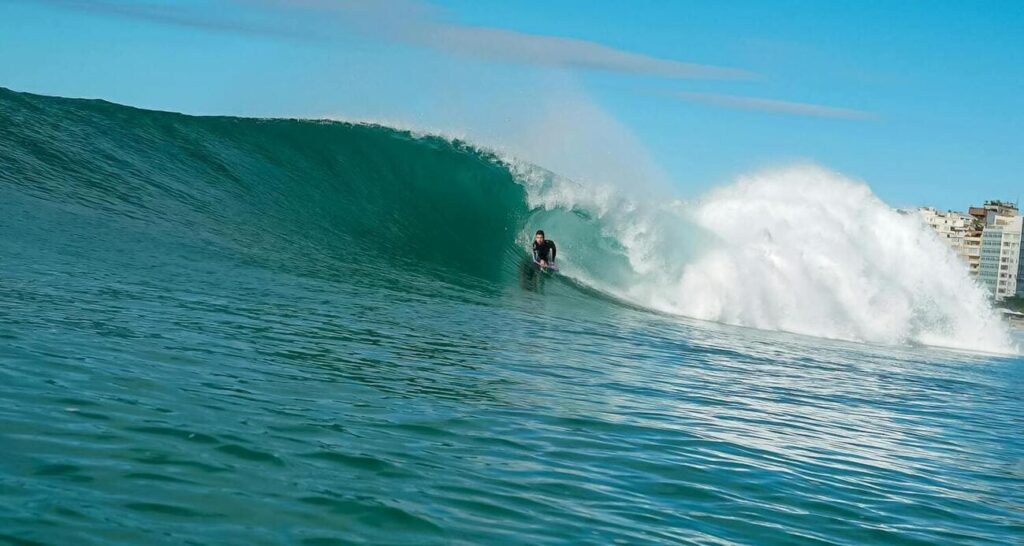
800 249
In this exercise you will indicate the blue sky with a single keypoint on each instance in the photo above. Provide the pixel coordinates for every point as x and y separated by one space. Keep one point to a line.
922 100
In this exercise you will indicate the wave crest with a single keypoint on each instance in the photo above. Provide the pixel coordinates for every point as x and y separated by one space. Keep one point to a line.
801 250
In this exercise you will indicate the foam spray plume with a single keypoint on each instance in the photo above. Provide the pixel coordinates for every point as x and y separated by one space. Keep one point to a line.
799 249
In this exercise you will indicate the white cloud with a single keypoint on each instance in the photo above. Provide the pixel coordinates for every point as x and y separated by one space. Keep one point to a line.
776 106
511 46
405 21
182 16
420 23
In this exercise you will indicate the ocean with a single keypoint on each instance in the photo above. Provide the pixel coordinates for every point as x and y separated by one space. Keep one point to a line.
222 330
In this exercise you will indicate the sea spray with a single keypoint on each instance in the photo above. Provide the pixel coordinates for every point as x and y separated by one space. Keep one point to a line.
799 249
806 250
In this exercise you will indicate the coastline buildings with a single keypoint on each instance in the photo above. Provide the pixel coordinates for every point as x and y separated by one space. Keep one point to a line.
1000 251
988 240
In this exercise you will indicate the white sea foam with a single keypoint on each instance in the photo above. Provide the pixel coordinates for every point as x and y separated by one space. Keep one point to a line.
799 249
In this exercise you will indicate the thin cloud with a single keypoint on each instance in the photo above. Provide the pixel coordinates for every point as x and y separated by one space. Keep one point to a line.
776 106
181 16
421 23
534 49
411 22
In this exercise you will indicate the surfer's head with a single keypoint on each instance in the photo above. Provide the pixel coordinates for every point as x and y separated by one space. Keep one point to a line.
539 237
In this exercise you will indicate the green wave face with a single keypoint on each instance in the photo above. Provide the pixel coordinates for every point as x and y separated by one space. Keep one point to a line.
281 189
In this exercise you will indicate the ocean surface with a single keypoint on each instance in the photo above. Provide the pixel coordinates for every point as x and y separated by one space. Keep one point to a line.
238 331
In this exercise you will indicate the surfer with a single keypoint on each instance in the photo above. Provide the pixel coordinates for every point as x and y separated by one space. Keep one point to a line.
544 250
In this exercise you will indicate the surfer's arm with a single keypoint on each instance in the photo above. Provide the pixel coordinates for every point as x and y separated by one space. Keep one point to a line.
554 251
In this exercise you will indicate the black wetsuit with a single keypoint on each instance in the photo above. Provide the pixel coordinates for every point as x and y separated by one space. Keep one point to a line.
544 251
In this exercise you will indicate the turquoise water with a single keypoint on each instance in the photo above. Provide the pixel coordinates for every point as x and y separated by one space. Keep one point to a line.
218 330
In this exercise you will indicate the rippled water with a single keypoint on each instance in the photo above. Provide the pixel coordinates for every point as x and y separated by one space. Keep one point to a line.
150 399
219 331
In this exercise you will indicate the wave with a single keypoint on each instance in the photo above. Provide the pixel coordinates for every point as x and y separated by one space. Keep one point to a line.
802 249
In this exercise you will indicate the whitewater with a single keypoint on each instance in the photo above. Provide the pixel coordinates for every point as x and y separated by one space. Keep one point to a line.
798 249
230 330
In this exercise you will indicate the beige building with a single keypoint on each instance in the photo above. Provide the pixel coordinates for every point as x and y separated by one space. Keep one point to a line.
972 239
951 226
962 232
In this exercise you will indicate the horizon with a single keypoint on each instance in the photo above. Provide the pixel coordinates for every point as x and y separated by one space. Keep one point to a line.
687 97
